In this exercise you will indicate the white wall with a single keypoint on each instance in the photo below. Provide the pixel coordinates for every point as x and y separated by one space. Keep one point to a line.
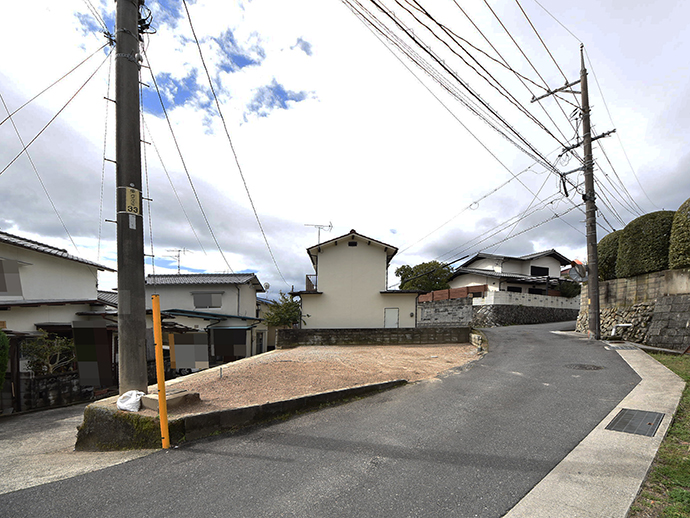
525 299
21 319
51 277
179 296
475 280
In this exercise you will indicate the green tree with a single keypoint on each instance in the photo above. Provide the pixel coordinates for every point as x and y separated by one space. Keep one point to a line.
284 312
4 357
49 353
569 289
427 276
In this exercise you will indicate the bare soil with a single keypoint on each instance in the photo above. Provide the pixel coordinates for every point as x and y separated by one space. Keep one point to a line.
290 373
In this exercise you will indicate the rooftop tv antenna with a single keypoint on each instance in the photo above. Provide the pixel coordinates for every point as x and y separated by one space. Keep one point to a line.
177 253
328 227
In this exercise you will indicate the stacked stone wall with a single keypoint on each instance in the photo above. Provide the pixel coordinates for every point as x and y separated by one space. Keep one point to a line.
656 304
508 315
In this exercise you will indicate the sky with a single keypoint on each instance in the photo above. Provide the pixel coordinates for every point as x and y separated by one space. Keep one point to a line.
331 125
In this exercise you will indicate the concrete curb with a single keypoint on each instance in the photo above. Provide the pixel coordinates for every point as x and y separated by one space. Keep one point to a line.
106 429
603 474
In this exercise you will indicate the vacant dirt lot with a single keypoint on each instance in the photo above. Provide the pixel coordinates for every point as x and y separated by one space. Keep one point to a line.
291 373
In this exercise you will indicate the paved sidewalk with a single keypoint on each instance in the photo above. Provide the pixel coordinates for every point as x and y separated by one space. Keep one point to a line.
603 474
38 448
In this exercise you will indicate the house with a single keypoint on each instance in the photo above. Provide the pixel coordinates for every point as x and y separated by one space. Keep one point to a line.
43 288
536 274
349 288
220 309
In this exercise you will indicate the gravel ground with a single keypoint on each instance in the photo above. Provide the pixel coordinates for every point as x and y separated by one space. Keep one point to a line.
290 373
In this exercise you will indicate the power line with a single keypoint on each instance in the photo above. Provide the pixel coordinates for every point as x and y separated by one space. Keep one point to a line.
232 147
51 85
55 116
184 165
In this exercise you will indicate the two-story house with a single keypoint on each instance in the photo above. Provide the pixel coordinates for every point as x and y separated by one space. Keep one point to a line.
349 288
222 307
43 288
536 273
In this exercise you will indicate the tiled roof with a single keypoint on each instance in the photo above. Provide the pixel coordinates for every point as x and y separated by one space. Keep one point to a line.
108 297
498 275
186 279
21 242
556 255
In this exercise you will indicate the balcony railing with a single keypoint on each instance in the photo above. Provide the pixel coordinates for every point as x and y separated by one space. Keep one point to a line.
311 283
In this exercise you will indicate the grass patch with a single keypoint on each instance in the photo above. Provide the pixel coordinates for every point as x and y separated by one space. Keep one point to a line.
666 491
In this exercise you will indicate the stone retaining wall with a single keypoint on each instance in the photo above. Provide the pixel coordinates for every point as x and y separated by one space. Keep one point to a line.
509 315
656 304
51 390
372 336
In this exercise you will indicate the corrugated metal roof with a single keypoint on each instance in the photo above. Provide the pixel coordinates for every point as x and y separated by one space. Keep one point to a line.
11 239
185 279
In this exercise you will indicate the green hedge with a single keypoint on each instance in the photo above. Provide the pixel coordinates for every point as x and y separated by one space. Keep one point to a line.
607 250
679 248
643 244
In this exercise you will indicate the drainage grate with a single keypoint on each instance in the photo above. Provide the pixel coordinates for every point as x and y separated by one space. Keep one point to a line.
638 422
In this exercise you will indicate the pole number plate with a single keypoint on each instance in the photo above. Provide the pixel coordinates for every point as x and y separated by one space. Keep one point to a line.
133 204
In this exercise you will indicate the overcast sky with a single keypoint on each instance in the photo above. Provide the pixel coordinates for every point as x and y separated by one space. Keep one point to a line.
329 124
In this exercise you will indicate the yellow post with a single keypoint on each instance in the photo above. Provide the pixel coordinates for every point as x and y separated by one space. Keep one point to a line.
160 370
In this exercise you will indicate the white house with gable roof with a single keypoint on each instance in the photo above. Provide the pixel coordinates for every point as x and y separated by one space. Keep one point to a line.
349 288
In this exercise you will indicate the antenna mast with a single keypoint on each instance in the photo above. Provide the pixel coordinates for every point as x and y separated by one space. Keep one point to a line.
328 227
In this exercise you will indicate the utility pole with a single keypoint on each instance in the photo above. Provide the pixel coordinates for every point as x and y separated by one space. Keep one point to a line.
589 196
130 231
590 209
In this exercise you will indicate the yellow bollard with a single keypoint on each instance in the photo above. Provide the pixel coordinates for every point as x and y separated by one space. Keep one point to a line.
160 370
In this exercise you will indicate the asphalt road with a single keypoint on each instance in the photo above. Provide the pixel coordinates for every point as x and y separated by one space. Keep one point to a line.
470 443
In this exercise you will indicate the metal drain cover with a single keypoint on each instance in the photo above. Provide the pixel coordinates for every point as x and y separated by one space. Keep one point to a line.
639 422
583 367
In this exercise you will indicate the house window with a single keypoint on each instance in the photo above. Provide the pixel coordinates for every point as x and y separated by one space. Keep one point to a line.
539 271
514 289
208 299
352 243
9 278
536 291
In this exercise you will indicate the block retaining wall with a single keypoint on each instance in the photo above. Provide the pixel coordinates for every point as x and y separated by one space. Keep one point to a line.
375 336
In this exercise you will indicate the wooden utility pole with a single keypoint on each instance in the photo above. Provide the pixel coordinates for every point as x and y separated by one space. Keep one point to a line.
130 232
590 209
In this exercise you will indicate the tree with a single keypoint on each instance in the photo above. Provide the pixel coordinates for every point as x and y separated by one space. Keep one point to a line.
4 357
285 312
49 353
427 276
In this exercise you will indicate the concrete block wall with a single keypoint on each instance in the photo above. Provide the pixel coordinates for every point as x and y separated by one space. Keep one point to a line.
367 336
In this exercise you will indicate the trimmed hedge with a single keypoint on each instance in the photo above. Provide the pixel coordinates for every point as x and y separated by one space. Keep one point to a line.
607 250
643 244
679 248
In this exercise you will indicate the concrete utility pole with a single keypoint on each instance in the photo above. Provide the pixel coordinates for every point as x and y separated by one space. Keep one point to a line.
590 209
130 232
589 196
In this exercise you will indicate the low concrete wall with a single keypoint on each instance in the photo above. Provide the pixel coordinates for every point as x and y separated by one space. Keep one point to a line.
504 298
391 336
51 390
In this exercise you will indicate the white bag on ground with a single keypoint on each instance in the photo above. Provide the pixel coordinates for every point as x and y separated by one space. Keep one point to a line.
130 401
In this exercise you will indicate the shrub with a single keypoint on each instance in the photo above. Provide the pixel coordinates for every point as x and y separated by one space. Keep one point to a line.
607 251
4 357
643 244
49 353
679 247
